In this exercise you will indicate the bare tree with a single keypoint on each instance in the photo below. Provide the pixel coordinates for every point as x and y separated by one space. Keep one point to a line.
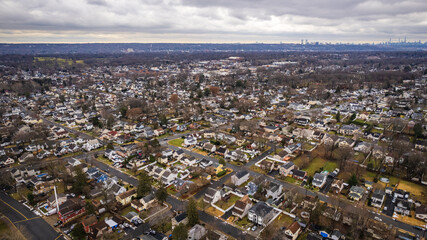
345 153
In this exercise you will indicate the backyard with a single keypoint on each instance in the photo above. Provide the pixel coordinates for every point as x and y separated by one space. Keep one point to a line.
226 204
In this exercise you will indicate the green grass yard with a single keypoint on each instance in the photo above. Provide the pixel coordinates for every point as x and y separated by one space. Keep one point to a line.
176 142
315 165
330 166
226 204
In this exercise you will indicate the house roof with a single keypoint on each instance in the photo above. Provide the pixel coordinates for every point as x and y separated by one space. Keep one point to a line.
148 198
298 173
127 194
181 217
90 220
421 210
261 209
241 173
294 227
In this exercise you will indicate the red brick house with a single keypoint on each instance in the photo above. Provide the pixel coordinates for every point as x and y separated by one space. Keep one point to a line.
71 209
88 222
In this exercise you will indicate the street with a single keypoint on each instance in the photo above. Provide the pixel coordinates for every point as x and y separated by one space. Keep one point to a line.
31 226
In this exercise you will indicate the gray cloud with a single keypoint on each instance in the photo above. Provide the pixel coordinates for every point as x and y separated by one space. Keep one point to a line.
211 21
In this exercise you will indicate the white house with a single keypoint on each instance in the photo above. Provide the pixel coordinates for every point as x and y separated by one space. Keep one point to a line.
261 213
240 177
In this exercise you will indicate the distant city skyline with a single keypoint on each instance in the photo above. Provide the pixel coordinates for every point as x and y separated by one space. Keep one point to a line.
203 21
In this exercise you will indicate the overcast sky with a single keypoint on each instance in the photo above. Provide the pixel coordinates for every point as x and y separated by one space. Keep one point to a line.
215 21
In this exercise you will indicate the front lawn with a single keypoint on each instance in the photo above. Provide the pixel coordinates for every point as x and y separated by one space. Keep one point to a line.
290 179
244 223
214 212
176 142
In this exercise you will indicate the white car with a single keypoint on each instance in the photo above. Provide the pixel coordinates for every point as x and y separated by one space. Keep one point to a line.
378 219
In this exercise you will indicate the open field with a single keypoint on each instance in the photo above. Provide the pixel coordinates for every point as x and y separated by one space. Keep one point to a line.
315 165
176 142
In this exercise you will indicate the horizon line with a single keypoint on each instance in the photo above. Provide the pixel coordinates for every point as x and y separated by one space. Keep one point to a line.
242 43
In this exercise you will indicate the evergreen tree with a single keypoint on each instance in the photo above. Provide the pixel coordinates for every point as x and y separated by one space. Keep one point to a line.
353 180
78 232
144 185
338 117
161 194
180 232
192 213
80 181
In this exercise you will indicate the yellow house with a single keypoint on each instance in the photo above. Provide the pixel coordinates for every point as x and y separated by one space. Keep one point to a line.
126 197
219 169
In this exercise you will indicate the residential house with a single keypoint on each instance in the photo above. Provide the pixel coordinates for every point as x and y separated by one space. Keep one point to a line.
204 163
116 189
209 134
178 154
309 202
209 147
402 207
51 201
266 165
282 155
126 197
168 177
421 212
337 186
43 188
332 213
222 151
319 180
180 218
131 216
157 173
261 213
399 193
274 190
286 168
293 231
241 207
91 145
88 222
377 198
197 232
189 141
298 174
348 129
356 193
251 188
71 209
363 147
240 177
211 196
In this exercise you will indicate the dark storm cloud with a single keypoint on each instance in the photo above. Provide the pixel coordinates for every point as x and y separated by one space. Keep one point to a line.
211 21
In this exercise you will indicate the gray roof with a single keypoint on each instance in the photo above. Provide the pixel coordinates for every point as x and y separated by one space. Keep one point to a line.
261 209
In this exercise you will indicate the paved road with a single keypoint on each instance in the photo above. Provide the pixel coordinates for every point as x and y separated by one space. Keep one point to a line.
32 226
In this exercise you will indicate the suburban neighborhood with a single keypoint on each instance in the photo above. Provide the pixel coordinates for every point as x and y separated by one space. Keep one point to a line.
226 147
